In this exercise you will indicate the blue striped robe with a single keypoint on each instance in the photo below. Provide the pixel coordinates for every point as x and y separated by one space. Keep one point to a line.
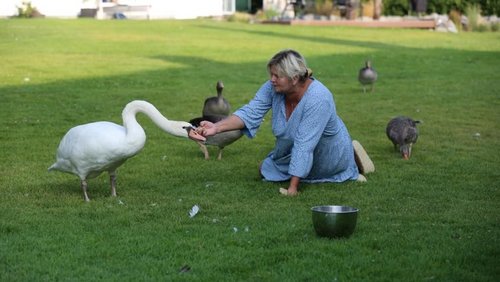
313 143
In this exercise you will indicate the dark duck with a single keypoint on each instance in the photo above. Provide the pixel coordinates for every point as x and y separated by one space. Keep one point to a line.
367 76
403 133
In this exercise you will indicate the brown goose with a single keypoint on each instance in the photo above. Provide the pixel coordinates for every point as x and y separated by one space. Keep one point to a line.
217 106
403 133
220 140
367 76
214 110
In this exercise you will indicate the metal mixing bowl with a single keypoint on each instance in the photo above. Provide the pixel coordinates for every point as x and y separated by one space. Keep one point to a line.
334 221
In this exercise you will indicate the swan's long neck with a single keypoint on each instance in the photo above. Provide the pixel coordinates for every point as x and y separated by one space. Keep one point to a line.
134 129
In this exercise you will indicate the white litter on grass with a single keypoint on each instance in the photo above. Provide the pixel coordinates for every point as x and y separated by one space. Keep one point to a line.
246 229
26 79
194 210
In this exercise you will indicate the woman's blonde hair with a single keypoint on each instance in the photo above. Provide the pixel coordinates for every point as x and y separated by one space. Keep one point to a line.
291 64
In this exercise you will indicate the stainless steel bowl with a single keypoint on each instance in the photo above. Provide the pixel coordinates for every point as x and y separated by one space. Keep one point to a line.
334 221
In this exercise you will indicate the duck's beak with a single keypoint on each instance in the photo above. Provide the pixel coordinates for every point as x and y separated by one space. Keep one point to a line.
193 135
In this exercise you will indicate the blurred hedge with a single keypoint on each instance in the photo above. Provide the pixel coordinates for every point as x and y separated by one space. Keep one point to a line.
402 7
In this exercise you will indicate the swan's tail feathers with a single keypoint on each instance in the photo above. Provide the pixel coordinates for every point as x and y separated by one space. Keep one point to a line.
52 167
60 166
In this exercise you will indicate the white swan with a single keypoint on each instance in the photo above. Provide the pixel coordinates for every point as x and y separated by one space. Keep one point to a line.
88 150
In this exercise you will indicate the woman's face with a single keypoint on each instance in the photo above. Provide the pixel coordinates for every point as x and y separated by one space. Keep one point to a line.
281 84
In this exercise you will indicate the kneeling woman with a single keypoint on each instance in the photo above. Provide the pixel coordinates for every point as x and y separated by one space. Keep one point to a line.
312 142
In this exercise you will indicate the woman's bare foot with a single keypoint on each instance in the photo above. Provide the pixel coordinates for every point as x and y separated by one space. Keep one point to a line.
361 178
287 192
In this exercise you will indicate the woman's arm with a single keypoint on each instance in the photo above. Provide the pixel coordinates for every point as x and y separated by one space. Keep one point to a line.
232 122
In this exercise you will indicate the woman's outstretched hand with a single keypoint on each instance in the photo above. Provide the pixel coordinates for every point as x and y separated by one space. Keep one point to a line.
206 128
194 135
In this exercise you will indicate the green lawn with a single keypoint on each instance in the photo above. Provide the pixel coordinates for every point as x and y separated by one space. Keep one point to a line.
435 217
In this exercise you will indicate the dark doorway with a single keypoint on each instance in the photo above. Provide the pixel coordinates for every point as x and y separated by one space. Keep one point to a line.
249 6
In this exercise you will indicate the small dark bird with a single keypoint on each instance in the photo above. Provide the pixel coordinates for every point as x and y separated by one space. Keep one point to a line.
217 107
214 110
367 76
403 133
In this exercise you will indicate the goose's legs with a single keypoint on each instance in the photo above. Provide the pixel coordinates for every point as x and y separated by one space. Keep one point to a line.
83 184
112 180
204 150
219 157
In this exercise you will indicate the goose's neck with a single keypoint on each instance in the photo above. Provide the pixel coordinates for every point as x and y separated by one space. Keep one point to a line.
135 130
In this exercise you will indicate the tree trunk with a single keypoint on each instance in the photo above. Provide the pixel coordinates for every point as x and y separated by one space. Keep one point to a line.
377 9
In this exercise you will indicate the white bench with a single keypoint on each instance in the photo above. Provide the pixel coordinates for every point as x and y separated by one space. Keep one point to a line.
125 9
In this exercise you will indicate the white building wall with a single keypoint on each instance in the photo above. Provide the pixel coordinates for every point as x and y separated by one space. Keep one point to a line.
160 9
281 7
276 5
8 8
187 9
51 8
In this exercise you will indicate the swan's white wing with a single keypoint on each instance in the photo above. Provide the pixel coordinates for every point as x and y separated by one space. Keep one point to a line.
92 148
